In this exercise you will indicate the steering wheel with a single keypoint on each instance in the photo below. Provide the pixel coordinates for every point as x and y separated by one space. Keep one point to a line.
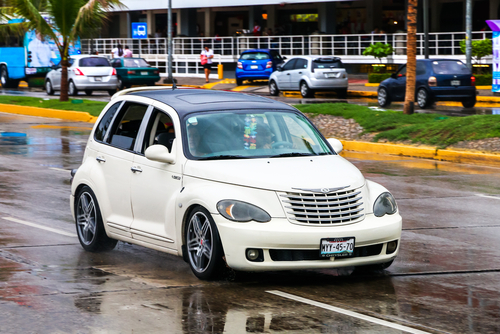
282 144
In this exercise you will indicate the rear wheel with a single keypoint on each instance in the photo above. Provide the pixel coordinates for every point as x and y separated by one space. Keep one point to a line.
383 98
88 92
239 82
423 98
342 93
273 88
111 92
120 84
469 103
5 80
48 88
89 226
72 90
305 91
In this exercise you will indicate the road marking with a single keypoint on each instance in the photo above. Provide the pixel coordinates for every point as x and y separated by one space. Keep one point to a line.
40 227
486 196
347 312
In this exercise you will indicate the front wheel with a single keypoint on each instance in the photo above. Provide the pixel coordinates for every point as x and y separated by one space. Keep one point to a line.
423 99
72 90
89 226
204 247
273 88
383 98
48 88
305 91
469 103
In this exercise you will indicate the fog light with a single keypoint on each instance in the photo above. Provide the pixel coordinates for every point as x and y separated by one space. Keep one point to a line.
391 247
254 255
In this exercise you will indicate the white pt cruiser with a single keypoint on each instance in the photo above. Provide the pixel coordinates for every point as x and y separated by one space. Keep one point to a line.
225 178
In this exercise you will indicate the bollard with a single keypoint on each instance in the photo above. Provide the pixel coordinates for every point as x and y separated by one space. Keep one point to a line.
220 71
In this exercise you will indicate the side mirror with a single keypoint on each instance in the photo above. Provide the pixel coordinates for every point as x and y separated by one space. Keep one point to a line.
336 145
279 68
160 153
284 58
394 76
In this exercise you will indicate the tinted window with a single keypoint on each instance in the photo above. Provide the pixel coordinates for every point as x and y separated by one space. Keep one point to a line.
160 131
449 67
254 56
327 63
420 68
93 61
103 125
126 128
135 63
289 65
402 71
301 63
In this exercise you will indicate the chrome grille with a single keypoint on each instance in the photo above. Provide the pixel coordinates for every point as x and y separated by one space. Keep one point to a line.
324 209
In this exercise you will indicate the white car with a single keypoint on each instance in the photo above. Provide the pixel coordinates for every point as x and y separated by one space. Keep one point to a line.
223 178
308 74
87 73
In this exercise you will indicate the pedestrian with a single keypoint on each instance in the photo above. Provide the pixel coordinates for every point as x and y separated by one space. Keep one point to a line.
206 60
117 52
127 53
256 29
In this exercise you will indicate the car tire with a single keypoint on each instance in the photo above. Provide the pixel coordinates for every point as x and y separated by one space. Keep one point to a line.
239 82
72 90
88 92
5 80
111 92
120 84
305 91
89 225
48 88
342 93
152 83
273 88
203 245
383 98
469 103
423 99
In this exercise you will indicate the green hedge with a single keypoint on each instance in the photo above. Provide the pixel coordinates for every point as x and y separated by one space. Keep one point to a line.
484 79
378 77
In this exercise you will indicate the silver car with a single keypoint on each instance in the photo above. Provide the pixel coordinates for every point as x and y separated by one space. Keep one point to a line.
308 74
86 73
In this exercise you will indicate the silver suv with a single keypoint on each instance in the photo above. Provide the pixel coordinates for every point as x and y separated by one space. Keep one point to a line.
308 74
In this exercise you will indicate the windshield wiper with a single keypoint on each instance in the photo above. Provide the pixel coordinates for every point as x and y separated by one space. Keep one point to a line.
217 157
293 154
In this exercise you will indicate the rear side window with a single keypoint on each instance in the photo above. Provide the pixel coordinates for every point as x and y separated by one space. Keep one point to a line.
93 61
420 68
125 129
105 122
449 67
301 63
327 63
254 56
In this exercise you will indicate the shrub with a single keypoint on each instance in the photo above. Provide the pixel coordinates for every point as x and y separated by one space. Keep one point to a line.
378 77
484 79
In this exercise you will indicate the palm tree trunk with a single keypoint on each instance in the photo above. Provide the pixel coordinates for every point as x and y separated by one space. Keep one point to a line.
411 53
64 81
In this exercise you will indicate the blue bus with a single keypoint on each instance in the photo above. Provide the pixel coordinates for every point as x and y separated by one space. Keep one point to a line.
29 59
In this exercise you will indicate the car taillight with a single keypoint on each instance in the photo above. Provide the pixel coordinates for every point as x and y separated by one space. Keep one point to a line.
156 72
269 64
240 65
77 71
113 72
130 72
432 81
472 81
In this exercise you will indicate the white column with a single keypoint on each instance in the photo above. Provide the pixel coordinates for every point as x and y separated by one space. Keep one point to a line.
271 17
150 19
208 22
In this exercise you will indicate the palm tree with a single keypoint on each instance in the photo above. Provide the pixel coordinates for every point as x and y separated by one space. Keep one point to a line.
69 18
411 53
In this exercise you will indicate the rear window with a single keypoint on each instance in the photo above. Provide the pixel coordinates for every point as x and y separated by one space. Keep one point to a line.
135 63
449 67
93 61
327 63
254 56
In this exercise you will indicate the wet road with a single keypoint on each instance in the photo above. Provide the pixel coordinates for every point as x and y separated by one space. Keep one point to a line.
446 278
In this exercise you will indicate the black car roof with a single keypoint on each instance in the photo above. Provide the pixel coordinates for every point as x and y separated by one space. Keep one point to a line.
186 101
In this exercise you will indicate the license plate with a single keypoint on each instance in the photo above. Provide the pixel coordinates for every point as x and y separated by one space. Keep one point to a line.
254 67
98 78
455 82
332 75
144 73
337 247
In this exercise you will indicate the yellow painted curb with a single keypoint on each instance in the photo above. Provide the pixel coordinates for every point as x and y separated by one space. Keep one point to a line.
361 93
484 87
424 152
240 88
77 116
372 84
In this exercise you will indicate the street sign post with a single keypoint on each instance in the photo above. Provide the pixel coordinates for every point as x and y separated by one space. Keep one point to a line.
139 30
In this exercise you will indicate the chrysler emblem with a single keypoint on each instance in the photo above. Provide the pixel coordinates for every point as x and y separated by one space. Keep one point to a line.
325 190
322 190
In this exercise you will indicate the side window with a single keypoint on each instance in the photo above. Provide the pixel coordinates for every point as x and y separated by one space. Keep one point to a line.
124 131
301 64
160 131
289 65
420 68
105 122
116 63
402 72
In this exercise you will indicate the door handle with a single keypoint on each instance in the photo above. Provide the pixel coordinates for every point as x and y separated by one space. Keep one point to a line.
100 159
136 169
288 74
300 72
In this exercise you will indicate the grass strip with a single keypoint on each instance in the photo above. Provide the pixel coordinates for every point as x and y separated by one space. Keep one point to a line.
432 129
94 108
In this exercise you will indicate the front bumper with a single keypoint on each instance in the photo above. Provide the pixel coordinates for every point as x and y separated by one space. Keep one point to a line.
280 236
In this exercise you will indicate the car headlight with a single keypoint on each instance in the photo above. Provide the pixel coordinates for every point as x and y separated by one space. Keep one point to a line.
241 211
385 204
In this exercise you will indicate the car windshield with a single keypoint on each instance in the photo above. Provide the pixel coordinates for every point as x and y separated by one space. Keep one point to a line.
93 62
254 56
135 63
449 67
251 134
327 63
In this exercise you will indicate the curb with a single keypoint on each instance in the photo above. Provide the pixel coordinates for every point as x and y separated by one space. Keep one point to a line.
77 116
485 99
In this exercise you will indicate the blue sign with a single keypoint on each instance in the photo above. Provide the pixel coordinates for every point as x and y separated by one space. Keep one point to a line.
139 30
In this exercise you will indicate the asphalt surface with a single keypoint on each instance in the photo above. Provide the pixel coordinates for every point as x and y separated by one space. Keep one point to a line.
445 280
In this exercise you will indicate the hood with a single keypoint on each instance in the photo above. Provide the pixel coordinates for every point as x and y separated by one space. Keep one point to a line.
279 174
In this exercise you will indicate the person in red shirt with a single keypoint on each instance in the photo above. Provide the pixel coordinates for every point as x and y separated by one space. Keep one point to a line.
256 29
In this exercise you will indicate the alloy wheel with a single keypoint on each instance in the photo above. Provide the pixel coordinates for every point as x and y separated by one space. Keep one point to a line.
200 242
382 97
86 217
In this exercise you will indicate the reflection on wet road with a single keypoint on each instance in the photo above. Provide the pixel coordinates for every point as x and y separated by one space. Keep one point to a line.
445 279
